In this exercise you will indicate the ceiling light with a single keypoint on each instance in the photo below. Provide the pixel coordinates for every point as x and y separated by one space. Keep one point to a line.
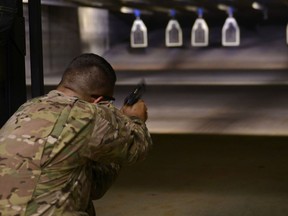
126 10
191 8
257 6
223 7
261 7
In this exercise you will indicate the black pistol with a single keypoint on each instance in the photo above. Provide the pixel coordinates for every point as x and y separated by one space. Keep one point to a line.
135 95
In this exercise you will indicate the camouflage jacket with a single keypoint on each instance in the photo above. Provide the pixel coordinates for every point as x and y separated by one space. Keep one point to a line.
57 153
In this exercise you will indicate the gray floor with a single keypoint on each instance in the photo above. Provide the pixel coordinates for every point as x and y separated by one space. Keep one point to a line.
204 175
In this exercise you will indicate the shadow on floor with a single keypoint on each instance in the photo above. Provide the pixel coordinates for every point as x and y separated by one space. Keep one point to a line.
204 175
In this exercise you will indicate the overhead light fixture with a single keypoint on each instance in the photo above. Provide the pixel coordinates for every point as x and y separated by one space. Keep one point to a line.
173 32
191 8
256 6
230 30
97 4
261 7
138 34
200 31
223 7
126 10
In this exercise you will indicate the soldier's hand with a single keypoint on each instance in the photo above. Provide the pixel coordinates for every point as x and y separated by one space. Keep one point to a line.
139 109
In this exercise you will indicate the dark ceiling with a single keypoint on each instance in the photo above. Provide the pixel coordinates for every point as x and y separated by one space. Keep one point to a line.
270 9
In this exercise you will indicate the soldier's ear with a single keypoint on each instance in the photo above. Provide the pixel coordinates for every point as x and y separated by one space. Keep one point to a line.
97 100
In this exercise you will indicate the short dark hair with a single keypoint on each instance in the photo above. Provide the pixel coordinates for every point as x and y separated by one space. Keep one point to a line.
88 72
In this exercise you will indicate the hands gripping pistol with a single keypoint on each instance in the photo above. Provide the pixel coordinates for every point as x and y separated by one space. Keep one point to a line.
135 95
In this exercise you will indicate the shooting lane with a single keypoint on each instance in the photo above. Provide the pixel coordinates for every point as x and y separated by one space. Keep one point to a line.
219 127
218 117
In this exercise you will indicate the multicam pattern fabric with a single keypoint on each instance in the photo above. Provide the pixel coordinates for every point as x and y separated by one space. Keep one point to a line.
58 153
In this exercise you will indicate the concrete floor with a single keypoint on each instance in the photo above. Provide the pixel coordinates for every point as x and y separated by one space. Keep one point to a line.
204 175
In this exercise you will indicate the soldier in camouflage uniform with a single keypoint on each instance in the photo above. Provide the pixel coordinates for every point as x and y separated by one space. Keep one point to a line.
60 151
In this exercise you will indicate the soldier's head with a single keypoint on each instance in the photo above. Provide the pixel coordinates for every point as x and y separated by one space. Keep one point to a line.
90 76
